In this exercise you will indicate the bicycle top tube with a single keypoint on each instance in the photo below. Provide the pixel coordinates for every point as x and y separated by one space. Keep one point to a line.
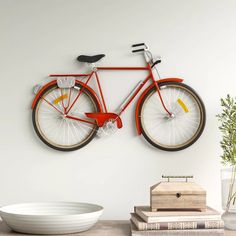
123 68
100 68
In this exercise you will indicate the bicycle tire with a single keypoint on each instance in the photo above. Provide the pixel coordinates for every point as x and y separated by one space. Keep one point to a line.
200 128
59 147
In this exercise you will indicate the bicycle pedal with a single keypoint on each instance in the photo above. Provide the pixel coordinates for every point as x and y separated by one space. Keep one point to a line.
107 129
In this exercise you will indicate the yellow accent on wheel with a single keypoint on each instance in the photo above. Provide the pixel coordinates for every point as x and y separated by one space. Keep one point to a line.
57 100
181 103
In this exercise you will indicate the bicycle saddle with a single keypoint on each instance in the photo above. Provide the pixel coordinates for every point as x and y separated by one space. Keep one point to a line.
90 59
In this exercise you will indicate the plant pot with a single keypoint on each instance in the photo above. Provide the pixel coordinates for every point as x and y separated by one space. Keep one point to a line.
228 188
229 219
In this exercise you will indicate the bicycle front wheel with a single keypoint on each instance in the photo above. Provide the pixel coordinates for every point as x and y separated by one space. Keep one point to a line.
52 126
177 132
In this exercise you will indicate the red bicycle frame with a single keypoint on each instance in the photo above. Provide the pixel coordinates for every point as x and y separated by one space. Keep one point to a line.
104 115
150 76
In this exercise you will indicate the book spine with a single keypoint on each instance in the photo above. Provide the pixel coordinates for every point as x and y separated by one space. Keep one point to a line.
183 219
214 224
210 232
153 217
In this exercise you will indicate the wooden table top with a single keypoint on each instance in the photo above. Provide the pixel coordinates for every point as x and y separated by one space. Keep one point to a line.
102 228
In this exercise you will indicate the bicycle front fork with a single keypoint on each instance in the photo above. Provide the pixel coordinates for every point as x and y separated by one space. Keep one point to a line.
170 114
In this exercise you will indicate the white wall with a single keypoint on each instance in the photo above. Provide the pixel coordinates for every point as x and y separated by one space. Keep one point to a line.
197 41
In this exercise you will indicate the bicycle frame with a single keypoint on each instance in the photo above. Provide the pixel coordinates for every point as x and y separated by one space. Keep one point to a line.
68 113
104 115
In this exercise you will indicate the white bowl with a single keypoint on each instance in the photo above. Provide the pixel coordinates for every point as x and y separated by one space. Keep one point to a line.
51 217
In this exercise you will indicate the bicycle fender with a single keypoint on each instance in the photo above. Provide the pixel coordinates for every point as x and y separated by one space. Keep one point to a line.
138 126
38 95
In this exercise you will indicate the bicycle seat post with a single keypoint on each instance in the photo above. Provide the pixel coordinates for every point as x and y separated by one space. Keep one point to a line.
92 66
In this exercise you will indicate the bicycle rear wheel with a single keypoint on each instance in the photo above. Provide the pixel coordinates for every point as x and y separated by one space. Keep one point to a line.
57 131
177 132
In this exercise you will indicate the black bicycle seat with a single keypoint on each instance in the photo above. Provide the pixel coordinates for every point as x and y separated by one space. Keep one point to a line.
90 59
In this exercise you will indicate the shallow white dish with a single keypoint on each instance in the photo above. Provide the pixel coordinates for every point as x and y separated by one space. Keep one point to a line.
51 217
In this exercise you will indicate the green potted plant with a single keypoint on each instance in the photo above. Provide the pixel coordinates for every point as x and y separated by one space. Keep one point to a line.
228 175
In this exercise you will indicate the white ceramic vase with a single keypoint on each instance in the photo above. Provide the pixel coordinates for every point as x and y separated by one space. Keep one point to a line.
229 216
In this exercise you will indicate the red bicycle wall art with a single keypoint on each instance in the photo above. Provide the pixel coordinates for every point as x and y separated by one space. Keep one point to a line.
68 113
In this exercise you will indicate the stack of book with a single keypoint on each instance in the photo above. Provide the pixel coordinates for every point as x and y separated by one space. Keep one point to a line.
144 222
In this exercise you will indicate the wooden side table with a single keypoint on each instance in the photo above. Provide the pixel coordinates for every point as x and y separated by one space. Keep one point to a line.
102 228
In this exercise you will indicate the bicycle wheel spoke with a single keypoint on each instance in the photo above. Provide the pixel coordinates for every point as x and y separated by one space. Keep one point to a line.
176 131
81 128
76 130
50 104
73 131
58 130
49 127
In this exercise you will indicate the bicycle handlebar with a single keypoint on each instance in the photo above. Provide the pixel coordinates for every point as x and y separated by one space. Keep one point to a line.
138 44
147 54
138 50
144 48
156 62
